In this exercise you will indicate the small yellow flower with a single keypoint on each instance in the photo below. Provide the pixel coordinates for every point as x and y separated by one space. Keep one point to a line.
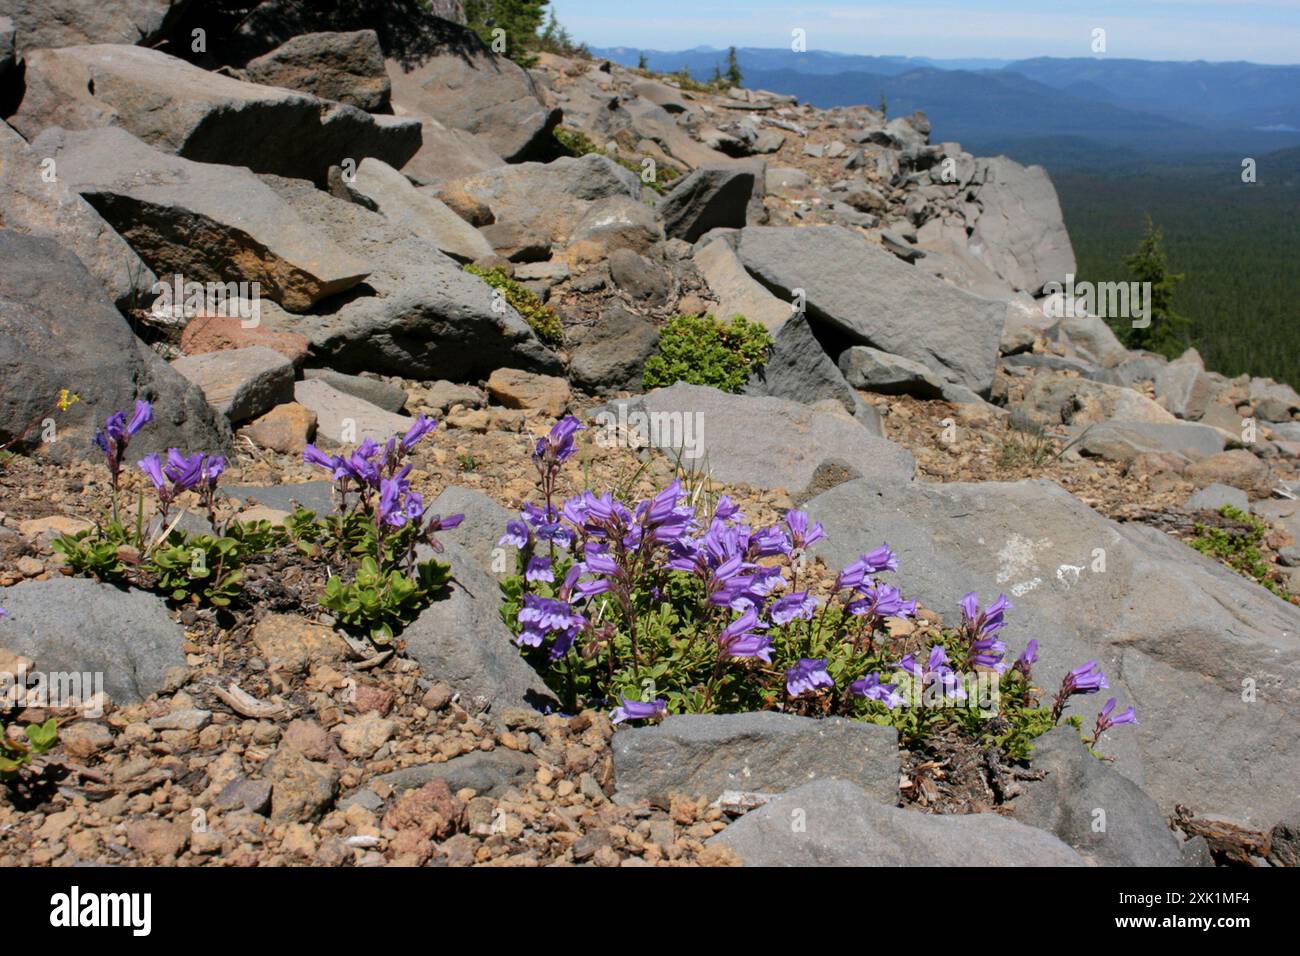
67 399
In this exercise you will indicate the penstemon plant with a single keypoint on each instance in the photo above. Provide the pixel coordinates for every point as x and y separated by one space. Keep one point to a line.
656 607
381 522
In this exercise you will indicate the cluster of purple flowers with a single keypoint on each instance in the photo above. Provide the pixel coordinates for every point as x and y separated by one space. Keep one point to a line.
117 433
380 477
197 473
749 578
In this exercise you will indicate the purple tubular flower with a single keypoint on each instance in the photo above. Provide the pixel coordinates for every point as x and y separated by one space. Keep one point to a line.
390 504
871 688
117 433
422 427
984 623
143 416
516 535
807 677
539 569
637 710
1028 656
799 605
802 535
151 465
559 445
1086 679
739 638
1105 721
882 559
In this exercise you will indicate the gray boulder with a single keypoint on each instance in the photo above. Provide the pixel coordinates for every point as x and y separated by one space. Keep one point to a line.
58 330
462 640
347 67
1273 402
56 23
764 752
1092 807
1213 497
737 292
463 84
160 203
418 315
125 638
240 383
203 116
835 823
425 215
1179 636
876 371
343 418
759 441
484 524
391 398
539 205
1124 441
1020 231
798 369
714 197
862 293
1065 399
1184 389
32 204
611 354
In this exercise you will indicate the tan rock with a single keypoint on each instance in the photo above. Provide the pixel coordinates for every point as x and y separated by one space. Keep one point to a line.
159 839
1238 468
52 526
291 643
514 388
286 428
366 734
217 333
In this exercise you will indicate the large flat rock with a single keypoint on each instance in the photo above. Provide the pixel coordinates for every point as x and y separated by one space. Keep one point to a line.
835 823
204 116
1179 636
705 755
760 441
867 296
205 222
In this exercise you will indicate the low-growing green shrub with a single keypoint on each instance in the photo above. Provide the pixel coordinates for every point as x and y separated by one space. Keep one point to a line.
15 755
540 319
701 350
578 143
1238 547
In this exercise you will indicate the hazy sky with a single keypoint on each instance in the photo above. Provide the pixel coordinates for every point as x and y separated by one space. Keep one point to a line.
1265 31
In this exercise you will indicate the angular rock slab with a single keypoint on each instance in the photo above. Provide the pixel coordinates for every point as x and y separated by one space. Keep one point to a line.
1092 807
203 116
205 222
703 755
343 419
31 204
834 823
714 197
1178 635
56 23
463 84
758 441
1020 232
347 67
869 297
79 626
59 330
462 640
240 383
426 216
1122 441
418 314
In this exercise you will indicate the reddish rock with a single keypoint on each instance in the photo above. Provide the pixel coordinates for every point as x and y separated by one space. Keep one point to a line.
216 333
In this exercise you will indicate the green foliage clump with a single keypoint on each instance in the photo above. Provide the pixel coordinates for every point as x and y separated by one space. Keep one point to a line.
382 602
1167 330
519 22
700 350
1238 547
540 319
577 143
15 755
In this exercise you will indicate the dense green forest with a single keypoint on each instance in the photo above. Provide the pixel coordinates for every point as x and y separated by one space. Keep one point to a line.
1238 244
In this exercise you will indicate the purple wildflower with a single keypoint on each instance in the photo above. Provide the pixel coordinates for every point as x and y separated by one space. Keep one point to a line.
516 535
800 534
799 605
1085 679
807 676
422 427
1105 721
539 569
637 710
117 434
871 688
